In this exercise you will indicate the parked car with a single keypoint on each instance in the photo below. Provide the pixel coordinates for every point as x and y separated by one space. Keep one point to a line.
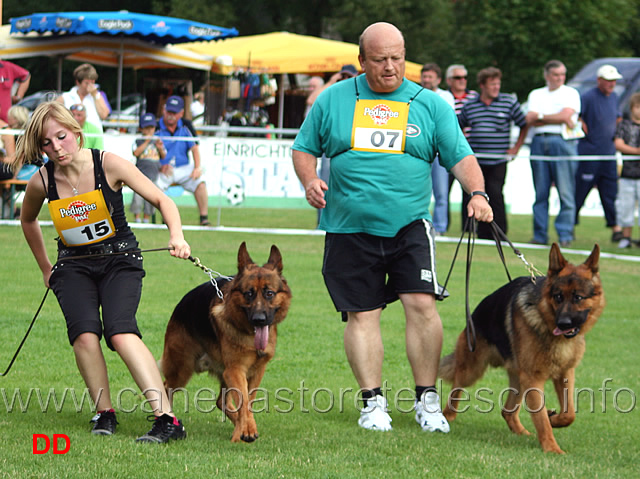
629 84
32 101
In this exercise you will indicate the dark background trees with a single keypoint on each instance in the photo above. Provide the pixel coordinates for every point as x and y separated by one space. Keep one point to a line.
517 36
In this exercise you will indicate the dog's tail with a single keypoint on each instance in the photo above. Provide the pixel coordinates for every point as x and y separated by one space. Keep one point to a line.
447 368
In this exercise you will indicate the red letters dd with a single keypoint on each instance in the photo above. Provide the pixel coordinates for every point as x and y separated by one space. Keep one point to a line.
47 443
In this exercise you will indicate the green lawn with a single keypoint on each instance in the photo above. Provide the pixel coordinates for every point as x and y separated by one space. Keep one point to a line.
307 418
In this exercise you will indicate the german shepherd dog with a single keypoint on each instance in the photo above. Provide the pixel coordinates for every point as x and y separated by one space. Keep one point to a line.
233 337
535 330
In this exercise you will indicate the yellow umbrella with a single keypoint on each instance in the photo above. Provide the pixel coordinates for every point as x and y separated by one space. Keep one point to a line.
283 52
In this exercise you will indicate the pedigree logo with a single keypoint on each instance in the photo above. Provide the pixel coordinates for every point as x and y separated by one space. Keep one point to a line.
78 210
380 114
42 444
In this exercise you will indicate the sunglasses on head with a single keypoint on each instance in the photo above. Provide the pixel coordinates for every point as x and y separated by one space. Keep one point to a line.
77 108
459 77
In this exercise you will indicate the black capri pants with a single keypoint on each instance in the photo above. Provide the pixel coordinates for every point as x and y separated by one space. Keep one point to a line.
111 284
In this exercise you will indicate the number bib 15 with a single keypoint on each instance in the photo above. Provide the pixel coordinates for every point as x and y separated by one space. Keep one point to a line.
379 126
82 219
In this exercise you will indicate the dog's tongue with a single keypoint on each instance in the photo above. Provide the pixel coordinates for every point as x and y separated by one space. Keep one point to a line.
262 337
558 331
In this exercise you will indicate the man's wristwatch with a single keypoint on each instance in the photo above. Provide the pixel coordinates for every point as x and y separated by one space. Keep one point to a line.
481 193
540 116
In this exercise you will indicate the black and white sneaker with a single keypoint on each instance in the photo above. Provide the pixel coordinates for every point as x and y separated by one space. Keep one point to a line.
163 430
104 423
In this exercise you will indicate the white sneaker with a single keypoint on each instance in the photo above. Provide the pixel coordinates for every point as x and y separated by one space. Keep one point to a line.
429 415
374 416
625 243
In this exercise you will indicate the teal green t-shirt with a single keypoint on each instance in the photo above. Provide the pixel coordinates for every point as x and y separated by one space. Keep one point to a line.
373 192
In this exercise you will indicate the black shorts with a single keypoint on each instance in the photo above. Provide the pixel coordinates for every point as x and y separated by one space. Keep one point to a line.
364 272
112 283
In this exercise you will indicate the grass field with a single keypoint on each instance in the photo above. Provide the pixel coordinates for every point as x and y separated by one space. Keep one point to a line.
307 418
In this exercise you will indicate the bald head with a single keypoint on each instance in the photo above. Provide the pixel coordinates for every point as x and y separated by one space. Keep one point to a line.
381 31
382 56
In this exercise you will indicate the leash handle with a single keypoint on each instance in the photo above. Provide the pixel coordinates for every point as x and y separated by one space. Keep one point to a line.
470 228
27 333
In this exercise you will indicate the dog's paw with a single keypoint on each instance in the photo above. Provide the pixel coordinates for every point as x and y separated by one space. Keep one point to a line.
249 438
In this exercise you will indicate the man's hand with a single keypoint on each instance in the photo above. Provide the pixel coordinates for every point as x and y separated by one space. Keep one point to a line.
314 191
480 209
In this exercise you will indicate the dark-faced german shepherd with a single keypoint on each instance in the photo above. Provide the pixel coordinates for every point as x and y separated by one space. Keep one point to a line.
233 337
536 332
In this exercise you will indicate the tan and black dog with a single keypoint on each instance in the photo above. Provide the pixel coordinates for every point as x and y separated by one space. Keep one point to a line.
233 338
536 332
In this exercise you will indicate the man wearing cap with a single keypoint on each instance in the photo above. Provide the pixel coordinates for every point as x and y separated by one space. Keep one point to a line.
176 168
93 137
552 110
347 71
600 115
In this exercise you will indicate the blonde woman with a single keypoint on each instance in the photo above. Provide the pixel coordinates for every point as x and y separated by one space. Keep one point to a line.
84 191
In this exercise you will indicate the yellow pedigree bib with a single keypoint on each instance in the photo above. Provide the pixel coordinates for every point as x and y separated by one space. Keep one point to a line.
379 126
82 219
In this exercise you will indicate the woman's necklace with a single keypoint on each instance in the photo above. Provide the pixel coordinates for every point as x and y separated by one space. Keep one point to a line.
75 188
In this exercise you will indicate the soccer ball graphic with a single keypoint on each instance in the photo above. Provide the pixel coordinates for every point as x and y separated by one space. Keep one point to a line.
235 195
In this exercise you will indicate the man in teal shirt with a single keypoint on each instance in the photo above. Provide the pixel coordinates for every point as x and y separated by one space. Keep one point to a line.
382 133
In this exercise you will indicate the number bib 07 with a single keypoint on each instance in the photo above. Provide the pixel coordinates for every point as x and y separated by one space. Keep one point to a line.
82 219
379 126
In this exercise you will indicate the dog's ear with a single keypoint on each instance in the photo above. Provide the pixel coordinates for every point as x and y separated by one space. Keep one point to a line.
244 259
556 260
593 261
275 259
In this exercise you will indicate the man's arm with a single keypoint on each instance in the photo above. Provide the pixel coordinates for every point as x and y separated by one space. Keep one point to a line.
563 116
468 173
22 89
197 172
305 166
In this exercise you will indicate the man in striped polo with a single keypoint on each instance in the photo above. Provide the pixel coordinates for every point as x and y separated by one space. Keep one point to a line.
489 117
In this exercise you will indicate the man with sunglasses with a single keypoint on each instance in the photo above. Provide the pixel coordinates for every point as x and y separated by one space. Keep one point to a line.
457 81
92 134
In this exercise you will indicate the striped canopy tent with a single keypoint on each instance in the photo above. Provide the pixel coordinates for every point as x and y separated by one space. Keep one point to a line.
135 54
115 38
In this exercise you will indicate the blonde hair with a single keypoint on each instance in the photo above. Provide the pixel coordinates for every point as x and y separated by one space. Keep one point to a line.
30 147
20 114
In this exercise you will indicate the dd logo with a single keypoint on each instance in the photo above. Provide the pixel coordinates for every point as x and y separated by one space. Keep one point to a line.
47 443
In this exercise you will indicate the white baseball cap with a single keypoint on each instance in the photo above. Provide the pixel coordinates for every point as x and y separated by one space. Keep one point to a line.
609 72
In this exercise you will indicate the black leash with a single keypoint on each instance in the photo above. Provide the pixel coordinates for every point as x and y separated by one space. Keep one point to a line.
498 236
27 334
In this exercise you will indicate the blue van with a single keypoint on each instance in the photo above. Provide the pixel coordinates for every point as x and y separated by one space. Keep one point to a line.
629 84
